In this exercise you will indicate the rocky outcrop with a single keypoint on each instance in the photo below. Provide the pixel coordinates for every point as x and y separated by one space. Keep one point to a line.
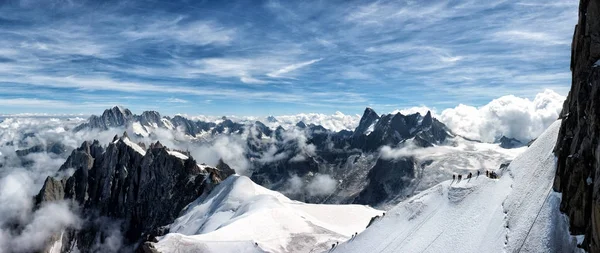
54 148
388 179
577 148
367 120
509 143
150 118
143 189
394 129
191 127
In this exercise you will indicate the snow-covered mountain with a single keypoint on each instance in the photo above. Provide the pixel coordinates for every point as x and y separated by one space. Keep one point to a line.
518 212
241 216
382 161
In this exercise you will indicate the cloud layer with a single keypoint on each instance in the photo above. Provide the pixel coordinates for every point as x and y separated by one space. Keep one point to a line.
510 116
278 57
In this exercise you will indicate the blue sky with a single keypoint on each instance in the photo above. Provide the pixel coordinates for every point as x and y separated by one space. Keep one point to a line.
278 57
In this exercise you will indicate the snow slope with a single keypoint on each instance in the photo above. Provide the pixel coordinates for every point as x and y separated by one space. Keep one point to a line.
239 213
516 213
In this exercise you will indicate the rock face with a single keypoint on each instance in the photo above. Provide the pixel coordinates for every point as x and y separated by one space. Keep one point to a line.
54 148
143 189
577 147
191 127
367 120
508 143
114 117
353 157
387 179
151 118
393 129
122 117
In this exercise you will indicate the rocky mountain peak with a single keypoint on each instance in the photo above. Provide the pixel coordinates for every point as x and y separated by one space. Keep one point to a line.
150 118
508 143
368 118
113 117
301 125
272 119
144 191
427 119
393 129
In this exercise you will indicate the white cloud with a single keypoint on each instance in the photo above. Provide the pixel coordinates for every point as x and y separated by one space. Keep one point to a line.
293 67
176 100
295 185
510 116
252 80
48 221
321 185
231 149
196 32
334 122
520 36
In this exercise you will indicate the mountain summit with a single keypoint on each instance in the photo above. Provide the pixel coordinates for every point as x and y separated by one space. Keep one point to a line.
143 188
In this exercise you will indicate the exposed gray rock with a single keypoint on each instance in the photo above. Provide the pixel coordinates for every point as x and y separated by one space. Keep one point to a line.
369 118
509 143
114 117
143 191
150 118
54 148
577 147
393 129
387 180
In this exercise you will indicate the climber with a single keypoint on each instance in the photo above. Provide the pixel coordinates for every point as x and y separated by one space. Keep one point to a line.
459 177
470 175
487 173
453 177
478 172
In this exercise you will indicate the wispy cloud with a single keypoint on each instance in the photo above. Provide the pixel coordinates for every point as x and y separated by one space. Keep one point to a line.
293 67
176 100
290 56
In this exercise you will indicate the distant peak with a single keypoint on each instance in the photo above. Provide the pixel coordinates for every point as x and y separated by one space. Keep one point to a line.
301 124
369 110
121 109
272 119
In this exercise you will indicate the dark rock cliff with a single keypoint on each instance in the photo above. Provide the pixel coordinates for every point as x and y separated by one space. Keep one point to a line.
577 148
142 189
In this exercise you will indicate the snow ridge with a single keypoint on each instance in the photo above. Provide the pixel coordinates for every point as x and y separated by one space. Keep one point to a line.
514 213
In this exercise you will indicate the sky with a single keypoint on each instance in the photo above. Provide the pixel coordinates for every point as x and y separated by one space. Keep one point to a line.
278 57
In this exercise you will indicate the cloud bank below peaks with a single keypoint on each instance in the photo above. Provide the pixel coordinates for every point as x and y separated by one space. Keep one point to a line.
510 116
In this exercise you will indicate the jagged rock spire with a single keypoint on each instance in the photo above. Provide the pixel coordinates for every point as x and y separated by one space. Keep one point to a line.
369 117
